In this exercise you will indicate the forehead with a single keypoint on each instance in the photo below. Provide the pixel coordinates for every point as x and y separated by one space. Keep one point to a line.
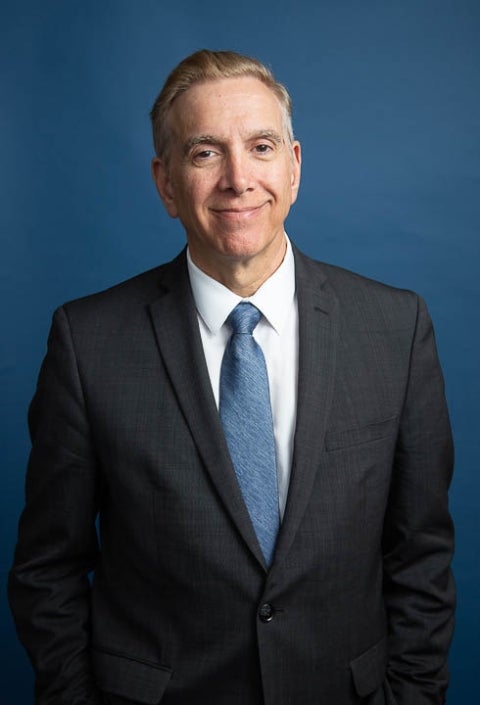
224 104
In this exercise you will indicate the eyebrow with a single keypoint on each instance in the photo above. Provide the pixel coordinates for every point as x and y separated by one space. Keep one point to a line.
216 141
199 139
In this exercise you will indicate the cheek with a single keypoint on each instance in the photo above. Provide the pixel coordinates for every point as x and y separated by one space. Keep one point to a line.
195 194
283 183
287 191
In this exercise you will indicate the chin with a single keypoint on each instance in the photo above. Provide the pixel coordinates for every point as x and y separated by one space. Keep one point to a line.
241 251
244 244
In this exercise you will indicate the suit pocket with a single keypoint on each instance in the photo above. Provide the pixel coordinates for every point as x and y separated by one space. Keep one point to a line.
133 680
336 440
369 669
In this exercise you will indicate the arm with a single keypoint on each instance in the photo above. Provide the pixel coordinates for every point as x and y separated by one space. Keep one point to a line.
57 546
418 534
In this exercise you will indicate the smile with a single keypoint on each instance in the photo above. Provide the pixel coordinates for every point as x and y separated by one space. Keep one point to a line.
237 213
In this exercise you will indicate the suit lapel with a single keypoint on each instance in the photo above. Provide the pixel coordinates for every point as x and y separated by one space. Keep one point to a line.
318 329
176 327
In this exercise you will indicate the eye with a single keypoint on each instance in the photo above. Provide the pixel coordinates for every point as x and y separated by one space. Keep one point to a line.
263 148
203 155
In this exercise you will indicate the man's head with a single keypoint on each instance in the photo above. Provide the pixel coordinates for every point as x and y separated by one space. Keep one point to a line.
227 165
205 65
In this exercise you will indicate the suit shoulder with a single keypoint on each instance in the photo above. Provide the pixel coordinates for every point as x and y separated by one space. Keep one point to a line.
126 296
343 278
360 297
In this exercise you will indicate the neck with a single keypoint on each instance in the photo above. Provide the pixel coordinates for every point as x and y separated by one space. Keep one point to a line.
244 276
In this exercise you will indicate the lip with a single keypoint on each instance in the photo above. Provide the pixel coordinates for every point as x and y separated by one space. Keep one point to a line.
238 213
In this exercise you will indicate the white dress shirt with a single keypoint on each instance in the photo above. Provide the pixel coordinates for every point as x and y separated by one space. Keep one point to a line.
277 335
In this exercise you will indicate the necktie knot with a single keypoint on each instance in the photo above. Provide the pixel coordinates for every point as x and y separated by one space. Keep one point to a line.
244 318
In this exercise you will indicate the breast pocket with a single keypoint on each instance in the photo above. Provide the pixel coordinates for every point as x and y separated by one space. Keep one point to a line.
356 473
356 436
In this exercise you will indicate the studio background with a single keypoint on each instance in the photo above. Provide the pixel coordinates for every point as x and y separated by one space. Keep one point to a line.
387 107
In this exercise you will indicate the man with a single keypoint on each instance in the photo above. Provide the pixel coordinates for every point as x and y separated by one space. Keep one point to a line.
205 590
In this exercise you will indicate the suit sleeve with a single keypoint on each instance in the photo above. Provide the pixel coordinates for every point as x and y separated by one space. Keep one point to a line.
418 535
49 587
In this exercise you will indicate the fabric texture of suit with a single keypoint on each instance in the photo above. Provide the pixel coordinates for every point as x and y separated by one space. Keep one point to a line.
357 606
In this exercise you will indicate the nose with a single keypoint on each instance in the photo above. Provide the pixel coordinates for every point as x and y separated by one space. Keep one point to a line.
237 173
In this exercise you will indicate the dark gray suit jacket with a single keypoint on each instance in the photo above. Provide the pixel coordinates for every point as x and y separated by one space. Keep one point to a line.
357 607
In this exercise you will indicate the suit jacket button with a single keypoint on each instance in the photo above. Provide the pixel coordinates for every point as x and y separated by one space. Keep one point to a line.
266 612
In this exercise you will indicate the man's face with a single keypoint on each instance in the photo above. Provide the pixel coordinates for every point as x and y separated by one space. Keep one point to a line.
232 174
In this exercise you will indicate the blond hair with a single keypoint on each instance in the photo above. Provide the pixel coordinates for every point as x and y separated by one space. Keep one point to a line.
206 65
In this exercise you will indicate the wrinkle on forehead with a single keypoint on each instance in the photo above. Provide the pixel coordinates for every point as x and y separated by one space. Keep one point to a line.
239 93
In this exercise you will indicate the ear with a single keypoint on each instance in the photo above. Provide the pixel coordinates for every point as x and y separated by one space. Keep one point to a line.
163 183
296 169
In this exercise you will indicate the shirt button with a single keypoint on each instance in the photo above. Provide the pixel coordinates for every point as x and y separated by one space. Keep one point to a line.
266 612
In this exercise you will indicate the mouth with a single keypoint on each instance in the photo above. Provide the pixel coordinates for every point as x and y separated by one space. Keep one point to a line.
238 214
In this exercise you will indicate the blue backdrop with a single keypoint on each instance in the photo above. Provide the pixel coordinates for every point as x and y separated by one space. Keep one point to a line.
387 100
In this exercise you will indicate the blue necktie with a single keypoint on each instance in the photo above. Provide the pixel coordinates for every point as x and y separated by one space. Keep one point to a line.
247 421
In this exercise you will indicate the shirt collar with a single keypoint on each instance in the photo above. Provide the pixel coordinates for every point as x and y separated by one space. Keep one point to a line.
214 302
